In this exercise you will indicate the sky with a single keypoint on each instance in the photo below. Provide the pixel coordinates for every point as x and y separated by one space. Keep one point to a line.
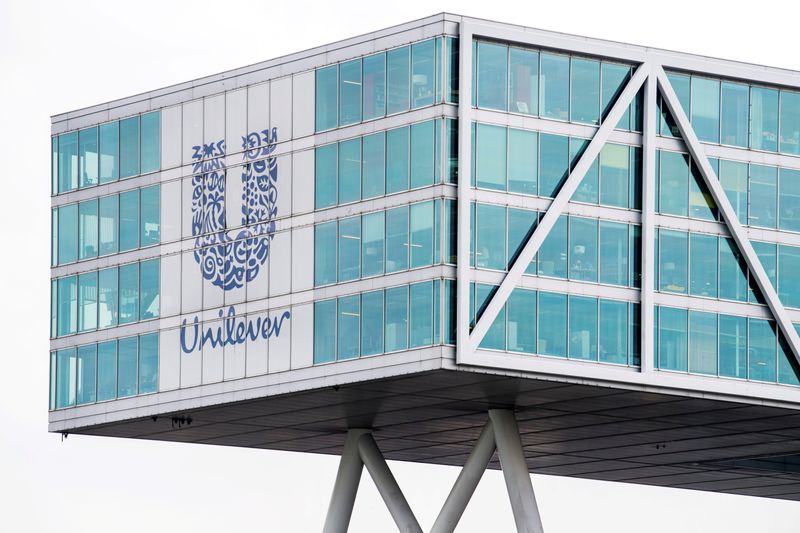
60 56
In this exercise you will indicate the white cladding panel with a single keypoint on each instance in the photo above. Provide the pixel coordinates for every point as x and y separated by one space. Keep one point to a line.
303 104
214 119
170 211
169 360
235 119
280 272
280 107
171 135
302 182
212 354
302 258
170 295
192 128
257 107
302 336
280 344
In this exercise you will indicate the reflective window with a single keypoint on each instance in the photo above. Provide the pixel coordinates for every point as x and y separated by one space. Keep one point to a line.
421 220
705 109
53 190
148 363
732 346
495 338
491 237
701 204
521 223
674 184
703 260
67 233
672 339
109 152
763 196
151 142
733 177
65 378
397 82
67 305
87 374
614 79
451 74
492 75
127 355
523 81
788 370
703 343
553 163
585 91
87 229
109 224
422 148
613 253
150 230
553 251
673 261
735 109
396 327
129 293
325 253
554 95
349 248
373 244
68 161
397 160
324 331
522 321
491 157
421 315
87 142
767 255
397 239
613 340
788 268
128 220
326 97
680 83
582 328
349 171
373 174
763 119
87 301
790 122
149 272
423 77
523 159
732 272
374 86
325 176
129 147
587 191
614 171
108 299
552 327
106 371
350 92
789 201
372 323
583 249
762 345
348 320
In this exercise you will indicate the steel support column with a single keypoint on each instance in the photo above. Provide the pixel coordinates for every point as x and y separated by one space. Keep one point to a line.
345 487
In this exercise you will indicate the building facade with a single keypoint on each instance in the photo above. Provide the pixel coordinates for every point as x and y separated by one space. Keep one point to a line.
407 228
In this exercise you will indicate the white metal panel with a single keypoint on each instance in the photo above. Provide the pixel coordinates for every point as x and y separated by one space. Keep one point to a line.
280 342
214 119
303 104
257 351
169 360
235 361
302 258
212 355
258 107
171 137
187 190
280 263
170 293
234 189
302 182
191 284
191 362
284 185
258 288
235 119
213 296
171 211
302 336
192 129
280 107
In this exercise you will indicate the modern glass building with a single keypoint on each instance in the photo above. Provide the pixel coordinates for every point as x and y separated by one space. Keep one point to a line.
460 235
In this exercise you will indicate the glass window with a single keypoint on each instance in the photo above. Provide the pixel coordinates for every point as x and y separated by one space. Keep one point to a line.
672 338
149 272
53 308
423 78
790 122
128 220
150 230
788 369
397 82
788 268
129 293
613 253
148 363
373 244
552 327
326 97
762 344
673 261
680 83
732 272
109 224
421 326
614 77
521 223
735 108
767 254
350 92
451 74
491 157
129 147
109 152
374 88
703 343
587 191
613 331
325 176
87 374
732 346
582 328
492 75
635 334
553 251
614 172
789 201
87 229
372 323
583 249
151 142
87 301
108 297
674 184
701 204
495 338
349 248
348 320
635 201
349 171
324 331
53 190
106 370
397 239
67 233
553 163
374 165
87 142
68 161
421 234
703 276
396 329
522 161
128 353
491 237
522 321
733 177
397 160
554 94
66 377
705 108
763 196
523 81
422 154
763 119
585 89
67 305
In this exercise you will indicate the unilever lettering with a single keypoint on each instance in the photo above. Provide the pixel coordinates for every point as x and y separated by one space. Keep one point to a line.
229 259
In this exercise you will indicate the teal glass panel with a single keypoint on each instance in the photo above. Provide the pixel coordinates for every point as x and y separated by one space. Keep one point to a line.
150 223
109 224
789 199
521 223
373 247
396 327
613 339
733 177
53 308
733 346
732 272
674 184
788 269
451 151
614 253
349 248
67 305
326 97
635 334
66 378
701 204
614 175
89 156
422 142
129 293
492 76
735 110
437 231
374 86
614 79
87 301
87 229
129 147
151 142
325 176
703 343
127 367
673 261
148 363
373 173
680 83
554 83
397 239
68 161
53 190
553 163
788 369
372 323
347 324
108 297
397 160
449 318
585 91
106 371
582 328
397 80
635 255
703 261
423 74
421 225
450 231
790 123
583 249
635 201
767 254
763 119
522 321
490 249
67 234
673 339
472 232
109 152
87 374
149 274
350 171
421 314
324 331
451 70
495 338
763 196
552 325
128 220
350 92
523 157
705 108
588 189
491 157
761 348
553 251
523 94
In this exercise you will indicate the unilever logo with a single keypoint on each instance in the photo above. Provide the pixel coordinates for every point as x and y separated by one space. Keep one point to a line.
229 259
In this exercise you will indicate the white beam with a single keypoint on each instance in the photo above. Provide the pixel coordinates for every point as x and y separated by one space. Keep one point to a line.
647 313
728 213
557 206
340 509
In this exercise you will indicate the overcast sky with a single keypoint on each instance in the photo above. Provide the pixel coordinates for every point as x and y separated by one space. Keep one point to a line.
59 56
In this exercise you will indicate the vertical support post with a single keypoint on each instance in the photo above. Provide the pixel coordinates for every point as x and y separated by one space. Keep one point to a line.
515 471
647 309
340 509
